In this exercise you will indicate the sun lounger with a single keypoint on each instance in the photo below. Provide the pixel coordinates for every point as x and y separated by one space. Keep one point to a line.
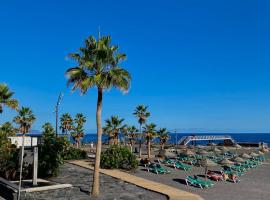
180 165
157 168
199 182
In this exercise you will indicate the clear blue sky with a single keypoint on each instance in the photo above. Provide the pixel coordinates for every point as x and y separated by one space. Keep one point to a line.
199 65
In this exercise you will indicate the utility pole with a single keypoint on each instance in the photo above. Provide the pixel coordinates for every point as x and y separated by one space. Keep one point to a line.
56 112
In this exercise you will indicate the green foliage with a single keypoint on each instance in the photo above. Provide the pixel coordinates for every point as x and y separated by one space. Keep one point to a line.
8 153
118 157
141 113
54 150
113 126
24 119
74 154
6 98
78 130
50 152
98 65
150 131
66 123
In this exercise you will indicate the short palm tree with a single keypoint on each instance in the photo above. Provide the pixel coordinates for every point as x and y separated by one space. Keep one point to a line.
132 135
24 119
98 67
6 98
78 129
141 114
8 129
113 127
163 136
66 123
150 133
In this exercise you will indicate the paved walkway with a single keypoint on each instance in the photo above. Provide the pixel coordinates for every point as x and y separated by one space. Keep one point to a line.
171 192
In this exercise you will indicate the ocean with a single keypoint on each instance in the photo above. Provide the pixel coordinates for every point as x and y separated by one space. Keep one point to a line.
239 137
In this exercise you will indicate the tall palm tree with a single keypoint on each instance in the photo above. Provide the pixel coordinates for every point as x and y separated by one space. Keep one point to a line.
132 135
78 130
66 123
150 133
98 67
6 98
163 136
24 119
113 127
142 114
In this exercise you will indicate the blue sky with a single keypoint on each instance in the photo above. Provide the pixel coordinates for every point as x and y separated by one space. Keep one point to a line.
198 65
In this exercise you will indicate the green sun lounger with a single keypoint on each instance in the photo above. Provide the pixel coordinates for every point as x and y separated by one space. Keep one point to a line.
199 182
238 168
157 168
180 165
167 161
233 172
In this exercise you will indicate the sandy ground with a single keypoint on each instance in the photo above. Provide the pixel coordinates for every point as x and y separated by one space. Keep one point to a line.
254 185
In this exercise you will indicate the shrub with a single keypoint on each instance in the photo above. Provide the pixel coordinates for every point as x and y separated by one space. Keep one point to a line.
53 151
118 157
74 153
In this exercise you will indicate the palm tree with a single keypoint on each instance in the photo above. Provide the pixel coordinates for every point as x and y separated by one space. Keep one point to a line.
150 132
66 123
24 119
6 98
142 114
6 130
131 132
113 127
163 136
78 131
98 66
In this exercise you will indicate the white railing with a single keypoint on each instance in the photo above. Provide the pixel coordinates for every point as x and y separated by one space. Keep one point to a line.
186 139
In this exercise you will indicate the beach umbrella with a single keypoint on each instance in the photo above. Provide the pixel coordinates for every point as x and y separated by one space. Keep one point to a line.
216 150
265 150
244 155
237 146
238 159
188 153
226 162
224 149
200 146
182 147
202 152
207 163
212 144
260 152
253 154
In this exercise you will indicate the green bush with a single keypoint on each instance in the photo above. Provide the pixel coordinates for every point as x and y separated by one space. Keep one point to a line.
118 157
53 151
74 154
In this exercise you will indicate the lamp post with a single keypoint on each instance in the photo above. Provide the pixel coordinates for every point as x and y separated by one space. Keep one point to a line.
56 112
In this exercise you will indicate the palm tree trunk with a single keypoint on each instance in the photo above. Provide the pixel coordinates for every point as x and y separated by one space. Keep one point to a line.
149 148
162 146
140 142
95 187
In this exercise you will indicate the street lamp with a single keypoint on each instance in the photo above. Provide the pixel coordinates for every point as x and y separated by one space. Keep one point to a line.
56 112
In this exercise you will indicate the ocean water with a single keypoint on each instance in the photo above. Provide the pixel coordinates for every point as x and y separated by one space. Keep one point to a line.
239 137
